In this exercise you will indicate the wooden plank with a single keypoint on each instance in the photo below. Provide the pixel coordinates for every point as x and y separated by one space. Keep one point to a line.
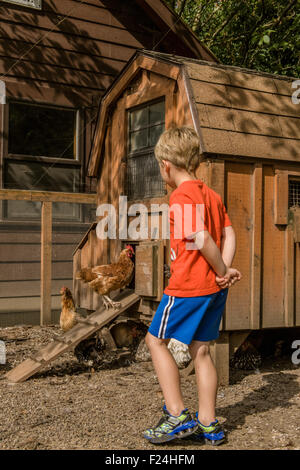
26 304
296 224
239 206
144 270
244 99
76 282
62 95
46 261
289 277
85 290
82 31
273 292
23 289
28 271
217 176
232 76
70 339
281 197
31 252
256 195
25 238
297 283
53 11
249 145
219 350
47 196
248 122
50 73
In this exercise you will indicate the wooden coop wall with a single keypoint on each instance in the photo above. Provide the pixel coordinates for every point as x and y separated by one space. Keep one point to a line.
268 253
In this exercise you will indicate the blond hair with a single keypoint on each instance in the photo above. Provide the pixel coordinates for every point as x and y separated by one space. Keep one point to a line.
180 146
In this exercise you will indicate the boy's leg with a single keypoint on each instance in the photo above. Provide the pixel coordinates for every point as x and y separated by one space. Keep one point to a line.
167 373
207 381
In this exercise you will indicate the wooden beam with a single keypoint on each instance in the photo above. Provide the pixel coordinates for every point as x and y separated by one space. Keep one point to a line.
47 196
289 278
219 351
281 198
256 246
46 261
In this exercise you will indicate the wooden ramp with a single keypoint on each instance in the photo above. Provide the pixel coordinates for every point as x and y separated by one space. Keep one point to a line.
69 340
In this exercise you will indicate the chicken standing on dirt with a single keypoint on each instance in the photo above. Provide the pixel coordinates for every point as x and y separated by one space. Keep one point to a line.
109 277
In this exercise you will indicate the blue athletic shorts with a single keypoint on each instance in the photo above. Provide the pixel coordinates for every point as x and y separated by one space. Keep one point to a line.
189 318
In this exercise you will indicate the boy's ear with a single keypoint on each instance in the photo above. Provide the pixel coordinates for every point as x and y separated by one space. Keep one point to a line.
166 165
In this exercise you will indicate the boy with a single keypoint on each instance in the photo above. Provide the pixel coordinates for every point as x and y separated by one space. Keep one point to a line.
194 300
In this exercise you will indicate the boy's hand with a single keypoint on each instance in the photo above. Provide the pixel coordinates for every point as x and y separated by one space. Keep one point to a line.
231 276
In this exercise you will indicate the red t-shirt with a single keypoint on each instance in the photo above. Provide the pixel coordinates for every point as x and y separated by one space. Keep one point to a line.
194 207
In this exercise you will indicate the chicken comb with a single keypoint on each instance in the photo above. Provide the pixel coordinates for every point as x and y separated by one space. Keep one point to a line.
129 247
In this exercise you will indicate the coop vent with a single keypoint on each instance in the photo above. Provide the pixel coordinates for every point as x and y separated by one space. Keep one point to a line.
294 193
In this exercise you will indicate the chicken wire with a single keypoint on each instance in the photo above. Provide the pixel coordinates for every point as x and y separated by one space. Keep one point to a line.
294 193
143 177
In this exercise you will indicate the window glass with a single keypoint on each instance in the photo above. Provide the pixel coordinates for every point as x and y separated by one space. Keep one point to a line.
139 118
41 131
146 124
157 113
155 132
40 176
139 140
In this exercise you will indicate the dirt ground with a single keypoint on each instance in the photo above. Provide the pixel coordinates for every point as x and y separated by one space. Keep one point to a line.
66 407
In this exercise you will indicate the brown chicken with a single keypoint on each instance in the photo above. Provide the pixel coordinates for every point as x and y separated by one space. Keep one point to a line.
68 316
89 351
109 277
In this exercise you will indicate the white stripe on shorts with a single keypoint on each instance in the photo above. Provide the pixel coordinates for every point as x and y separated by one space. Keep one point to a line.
165 317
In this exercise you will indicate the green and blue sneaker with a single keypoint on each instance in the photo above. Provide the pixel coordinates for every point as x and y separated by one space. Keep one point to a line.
171 427
212 434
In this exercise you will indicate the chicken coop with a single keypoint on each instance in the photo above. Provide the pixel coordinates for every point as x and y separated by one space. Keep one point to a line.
248 128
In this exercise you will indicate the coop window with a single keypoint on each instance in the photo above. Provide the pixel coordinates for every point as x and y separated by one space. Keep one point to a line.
36 4
42 130
43 154
294 193
146 124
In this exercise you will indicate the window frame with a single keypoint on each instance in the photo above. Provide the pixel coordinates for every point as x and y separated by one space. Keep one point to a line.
145 150
76 162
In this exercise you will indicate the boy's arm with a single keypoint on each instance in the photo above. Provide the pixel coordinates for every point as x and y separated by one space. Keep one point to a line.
211 252
228 245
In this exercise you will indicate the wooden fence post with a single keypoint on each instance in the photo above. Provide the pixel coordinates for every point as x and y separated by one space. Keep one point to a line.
46 261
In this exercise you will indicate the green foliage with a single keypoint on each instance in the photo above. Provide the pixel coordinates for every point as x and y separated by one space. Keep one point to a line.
257 34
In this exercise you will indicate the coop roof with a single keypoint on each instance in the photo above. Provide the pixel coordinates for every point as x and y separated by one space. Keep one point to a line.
237 112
